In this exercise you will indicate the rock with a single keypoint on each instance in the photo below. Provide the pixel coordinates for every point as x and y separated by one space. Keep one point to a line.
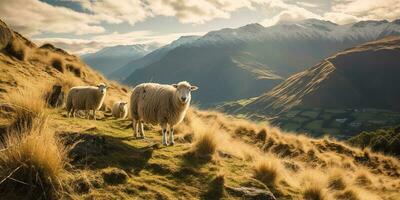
250 193
114 176
84 145
81 185
56 97
5 35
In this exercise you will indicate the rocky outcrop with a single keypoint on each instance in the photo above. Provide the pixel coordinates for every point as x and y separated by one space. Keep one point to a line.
5 35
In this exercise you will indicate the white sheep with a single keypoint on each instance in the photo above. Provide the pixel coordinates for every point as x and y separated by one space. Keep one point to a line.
87 98
120 109
160 104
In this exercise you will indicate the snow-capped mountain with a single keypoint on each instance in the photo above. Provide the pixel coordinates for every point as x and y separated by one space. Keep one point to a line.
306 29
112 58
128 68
231 64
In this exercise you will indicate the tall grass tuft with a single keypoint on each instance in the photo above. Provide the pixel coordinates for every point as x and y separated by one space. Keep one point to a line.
32 159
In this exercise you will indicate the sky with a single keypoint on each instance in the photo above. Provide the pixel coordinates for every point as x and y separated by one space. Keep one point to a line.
83 26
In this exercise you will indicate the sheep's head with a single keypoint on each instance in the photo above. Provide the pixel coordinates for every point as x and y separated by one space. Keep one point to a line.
183 90
102 88
122 105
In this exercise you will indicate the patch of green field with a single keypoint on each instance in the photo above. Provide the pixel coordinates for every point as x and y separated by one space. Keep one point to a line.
290 126
314 125
331 131
335 111
298 120
311 114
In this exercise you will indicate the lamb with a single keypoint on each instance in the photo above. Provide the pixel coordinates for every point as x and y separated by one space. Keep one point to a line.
120 109
160 104
87 98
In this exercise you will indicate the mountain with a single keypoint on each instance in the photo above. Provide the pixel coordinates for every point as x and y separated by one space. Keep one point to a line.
46 155
244 62
112 58
124 71
365 76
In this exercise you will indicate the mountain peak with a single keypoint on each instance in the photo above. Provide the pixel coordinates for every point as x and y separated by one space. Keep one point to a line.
365 23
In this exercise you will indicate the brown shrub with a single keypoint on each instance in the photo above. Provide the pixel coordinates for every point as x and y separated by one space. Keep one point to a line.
17 50
57 64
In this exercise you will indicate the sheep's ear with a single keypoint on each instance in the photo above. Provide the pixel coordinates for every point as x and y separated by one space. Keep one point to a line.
193 88
175 85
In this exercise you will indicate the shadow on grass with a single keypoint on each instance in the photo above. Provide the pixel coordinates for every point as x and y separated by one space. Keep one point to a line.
98 151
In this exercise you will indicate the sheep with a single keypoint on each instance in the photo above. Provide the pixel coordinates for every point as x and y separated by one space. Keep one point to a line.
120 109
165 105
86 98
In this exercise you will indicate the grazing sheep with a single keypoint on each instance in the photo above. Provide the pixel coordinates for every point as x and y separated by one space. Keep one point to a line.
160 104
86 98
120 109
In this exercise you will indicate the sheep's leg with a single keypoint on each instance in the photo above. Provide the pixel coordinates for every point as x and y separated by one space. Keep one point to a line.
141 129
94 114
171 135
73 112
135 128
164 134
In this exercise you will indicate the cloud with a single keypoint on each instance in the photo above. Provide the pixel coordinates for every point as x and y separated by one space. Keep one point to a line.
95 43
369 9
116 12
289 13
198 11
32 17
340 18
305 4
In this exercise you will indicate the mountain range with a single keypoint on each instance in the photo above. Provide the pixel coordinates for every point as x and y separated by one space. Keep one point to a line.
124 71
112 58
365 76
232 64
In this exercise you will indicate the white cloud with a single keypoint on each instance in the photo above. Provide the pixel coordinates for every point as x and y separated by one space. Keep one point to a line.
289 13
305 4
32 17
340 18
369 9
198 11
112 11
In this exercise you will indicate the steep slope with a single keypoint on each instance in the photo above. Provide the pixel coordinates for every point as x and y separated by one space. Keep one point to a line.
239 63
112 58
361 77
215 155
23 64
124 71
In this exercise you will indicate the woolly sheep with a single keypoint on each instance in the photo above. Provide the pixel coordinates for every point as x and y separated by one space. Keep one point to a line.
160 104
120 109
87 98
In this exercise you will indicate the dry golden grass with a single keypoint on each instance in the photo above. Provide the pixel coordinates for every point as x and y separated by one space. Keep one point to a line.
28 104
336 180
313 185
205 143
32 160
268 171
17 49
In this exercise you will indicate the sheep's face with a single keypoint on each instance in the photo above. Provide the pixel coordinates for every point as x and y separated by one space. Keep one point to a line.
122 106
102 88
183 90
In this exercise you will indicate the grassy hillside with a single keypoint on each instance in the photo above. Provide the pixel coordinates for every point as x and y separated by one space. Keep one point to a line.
383 140
45 155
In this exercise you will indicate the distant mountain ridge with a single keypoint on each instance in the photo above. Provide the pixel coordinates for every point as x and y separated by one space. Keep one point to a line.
124 71
365 76
112 58
232 64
